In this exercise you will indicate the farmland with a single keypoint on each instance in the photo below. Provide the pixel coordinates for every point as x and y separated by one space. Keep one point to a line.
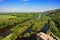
25 26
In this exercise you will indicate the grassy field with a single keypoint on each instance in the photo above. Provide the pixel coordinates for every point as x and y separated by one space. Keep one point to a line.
7 16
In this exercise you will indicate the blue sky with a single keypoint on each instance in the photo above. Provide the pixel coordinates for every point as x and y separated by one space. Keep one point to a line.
28 5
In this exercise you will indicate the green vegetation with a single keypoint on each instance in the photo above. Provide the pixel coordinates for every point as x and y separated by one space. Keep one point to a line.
38 25
23 21
8 20
54 29
27 35
55 22
20 28
1 38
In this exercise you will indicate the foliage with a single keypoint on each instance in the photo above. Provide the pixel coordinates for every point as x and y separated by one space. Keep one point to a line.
54 29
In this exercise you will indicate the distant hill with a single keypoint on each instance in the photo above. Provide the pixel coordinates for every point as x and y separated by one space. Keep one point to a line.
56 12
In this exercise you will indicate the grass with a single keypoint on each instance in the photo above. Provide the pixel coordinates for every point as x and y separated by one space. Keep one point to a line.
8 37
7 16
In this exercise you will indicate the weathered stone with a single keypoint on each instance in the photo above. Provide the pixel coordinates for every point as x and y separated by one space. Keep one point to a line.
43 36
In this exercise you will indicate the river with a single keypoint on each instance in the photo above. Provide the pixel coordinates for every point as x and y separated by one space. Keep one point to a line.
44 30
33 36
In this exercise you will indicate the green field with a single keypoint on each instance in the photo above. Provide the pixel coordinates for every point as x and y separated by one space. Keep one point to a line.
23 25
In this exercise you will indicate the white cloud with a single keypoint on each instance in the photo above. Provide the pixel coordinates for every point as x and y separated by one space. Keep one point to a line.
14 9
5 9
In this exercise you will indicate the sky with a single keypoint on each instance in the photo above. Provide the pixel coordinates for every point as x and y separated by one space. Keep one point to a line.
28 5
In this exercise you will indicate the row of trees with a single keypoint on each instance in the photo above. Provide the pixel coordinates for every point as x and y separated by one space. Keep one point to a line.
17 30
38 25
54 29
7 22
54 21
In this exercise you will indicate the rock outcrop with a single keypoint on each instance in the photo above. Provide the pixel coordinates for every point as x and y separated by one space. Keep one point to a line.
43 36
